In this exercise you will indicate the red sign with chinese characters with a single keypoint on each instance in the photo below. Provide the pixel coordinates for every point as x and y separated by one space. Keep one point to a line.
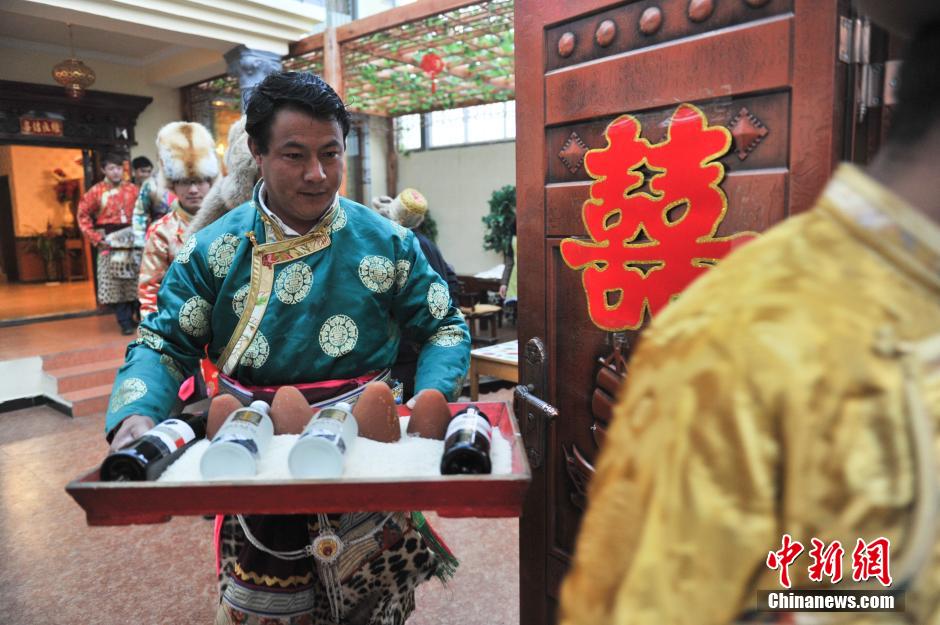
44 127
652 217
870 560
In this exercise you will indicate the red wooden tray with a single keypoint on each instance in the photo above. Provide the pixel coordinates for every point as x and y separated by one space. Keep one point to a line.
126 503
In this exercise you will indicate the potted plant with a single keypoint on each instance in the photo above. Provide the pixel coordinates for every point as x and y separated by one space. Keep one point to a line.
48 245
501 222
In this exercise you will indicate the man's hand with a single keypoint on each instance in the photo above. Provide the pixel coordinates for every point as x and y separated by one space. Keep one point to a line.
130 430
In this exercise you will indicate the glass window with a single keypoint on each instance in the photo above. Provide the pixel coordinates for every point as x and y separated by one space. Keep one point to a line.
447 128
472 124
408 132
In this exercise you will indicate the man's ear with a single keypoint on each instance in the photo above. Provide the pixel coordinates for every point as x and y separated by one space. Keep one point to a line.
255 153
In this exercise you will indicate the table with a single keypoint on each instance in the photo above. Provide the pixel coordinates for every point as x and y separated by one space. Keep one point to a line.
500 361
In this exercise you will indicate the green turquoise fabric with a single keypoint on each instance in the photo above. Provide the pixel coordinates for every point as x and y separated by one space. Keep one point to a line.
336 313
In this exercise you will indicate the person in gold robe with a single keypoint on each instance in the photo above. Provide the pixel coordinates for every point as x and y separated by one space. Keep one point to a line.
794 389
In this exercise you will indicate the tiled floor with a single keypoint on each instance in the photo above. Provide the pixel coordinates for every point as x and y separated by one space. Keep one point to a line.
50 337
35 300
55 569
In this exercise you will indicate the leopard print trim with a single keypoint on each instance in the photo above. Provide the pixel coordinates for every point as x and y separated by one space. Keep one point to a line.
380 591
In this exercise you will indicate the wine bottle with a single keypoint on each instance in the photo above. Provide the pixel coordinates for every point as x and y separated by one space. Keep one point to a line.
240 442
467 443
320 451
148 456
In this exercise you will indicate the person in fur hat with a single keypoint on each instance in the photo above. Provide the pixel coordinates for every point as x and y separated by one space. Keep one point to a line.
234 188
188 167
408 209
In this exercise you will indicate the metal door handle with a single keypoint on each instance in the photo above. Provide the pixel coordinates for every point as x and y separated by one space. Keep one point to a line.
535 416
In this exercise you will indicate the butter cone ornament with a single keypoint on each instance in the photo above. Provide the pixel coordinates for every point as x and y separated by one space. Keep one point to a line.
219 410
430 415
377 414
290 411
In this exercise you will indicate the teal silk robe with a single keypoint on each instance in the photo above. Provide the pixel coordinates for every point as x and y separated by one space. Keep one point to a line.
272 310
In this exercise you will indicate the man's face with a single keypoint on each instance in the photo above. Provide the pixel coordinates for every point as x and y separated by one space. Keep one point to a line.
142 173
191 192
113 172
303 168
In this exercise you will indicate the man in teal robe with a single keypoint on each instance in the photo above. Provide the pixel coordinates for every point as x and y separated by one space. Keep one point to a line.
296 286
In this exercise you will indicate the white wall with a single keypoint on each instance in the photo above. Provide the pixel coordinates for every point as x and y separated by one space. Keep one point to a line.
458 183
36 67
378 148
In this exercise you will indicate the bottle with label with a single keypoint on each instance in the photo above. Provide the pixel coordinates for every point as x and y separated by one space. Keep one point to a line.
320 451
467 443
148 456
235 449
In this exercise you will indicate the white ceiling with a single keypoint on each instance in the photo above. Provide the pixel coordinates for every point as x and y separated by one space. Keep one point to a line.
19 30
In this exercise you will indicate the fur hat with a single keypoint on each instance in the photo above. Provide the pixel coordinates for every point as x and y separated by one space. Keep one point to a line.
408 209
186 150
235 187
904 17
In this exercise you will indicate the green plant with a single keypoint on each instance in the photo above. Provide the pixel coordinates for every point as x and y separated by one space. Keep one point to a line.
501 222
48 246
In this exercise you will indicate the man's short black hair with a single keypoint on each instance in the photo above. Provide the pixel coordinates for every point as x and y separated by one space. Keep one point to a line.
112 159
140 162
302 91
917 111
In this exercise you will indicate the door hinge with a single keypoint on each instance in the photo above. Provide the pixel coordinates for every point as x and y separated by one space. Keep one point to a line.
875 83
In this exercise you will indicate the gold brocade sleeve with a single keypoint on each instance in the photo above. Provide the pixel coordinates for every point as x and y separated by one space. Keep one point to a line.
683 505
758 404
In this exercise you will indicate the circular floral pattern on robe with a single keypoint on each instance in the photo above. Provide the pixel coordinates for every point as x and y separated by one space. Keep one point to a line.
293 283
222 253
130 390
257 352
377 273
172 367
182 256
149 338
238 300
338 335
194 316
448 336
402 271
339 219
438 300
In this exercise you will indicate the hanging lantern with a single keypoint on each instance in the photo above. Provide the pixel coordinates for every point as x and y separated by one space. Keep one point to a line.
72 74
433 65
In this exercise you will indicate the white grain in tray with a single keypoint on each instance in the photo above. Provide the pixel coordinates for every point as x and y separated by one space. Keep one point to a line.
409 457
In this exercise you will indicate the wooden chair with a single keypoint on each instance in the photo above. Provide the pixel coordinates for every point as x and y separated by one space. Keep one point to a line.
74 260
477 310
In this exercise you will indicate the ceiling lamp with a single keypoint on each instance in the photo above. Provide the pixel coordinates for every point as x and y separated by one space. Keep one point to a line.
72 74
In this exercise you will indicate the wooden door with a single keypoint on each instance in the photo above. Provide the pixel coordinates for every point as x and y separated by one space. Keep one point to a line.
767 67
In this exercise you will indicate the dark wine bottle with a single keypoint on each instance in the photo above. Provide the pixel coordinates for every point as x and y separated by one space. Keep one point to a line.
148 456
467 443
